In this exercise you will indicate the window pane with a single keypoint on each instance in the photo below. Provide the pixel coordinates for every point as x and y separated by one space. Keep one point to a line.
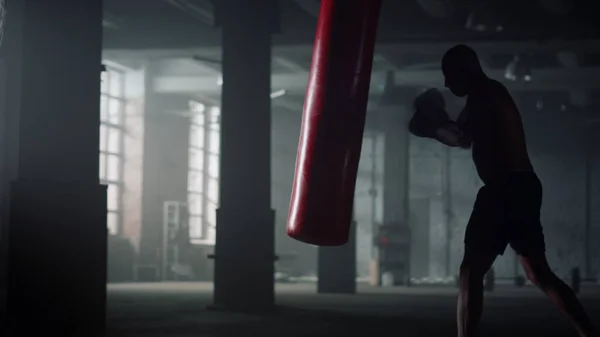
103 108
215 123
196 160
198 119
102 173
112 222
198 205
195 181
195 227
215 141
195 204
103 137
197 136
213 190
211 213
211 236
213 166
104 82
114 111
114 140
113 197
197 107
113 168
215 118
116 83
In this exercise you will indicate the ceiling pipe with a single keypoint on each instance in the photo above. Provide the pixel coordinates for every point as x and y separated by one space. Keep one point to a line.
201 10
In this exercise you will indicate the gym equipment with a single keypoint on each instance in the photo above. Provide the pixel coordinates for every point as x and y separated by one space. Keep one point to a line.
333 121
175 241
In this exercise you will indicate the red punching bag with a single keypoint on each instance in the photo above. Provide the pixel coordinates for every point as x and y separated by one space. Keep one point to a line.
333 122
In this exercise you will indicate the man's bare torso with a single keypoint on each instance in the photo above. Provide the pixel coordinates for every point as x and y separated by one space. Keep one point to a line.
492 120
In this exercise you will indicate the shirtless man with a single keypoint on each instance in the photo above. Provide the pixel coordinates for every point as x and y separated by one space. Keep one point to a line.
507 208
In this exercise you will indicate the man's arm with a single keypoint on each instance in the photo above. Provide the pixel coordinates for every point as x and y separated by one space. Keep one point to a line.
455 133
452 135
438 126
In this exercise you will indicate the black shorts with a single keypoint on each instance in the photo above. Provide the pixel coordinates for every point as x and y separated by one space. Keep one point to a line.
508 212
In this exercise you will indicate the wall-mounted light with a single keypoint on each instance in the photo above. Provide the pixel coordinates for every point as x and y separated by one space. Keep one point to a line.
278 93
111 21
539 104
487 16
518 69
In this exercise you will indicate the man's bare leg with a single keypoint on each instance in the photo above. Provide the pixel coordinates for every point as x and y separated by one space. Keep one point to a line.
540 274
470 296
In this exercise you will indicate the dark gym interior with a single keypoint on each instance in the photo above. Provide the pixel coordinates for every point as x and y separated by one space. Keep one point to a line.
147 152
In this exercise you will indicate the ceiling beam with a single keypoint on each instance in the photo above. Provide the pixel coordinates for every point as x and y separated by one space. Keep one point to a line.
542 80
424 48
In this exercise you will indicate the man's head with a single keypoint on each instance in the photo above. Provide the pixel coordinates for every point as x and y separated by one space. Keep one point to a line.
461 69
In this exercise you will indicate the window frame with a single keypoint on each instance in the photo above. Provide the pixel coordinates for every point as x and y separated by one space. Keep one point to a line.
209 122
105 151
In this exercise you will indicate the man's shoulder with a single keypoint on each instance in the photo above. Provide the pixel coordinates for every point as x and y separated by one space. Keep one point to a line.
490 91
493 89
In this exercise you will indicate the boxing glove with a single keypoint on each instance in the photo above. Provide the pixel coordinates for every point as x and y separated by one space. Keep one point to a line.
430 100
430 114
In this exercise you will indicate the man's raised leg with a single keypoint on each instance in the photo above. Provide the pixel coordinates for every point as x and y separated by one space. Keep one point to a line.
539 273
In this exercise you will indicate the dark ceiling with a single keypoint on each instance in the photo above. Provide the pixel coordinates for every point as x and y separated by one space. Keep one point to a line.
176 24
560 38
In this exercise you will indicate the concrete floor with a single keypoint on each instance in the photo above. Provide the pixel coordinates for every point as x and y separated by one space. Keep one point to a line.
179 309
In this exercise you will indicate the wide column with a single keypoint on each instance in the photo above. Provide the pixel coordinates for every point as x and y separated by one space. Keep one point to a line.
244 250
337 267
57 239
393 236
165 166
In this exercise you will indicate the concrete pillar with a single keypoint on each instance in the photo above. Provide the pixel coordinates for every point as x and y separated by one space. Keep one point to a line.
394 233
448 206
396 170
244 250
133 167
165 165
337 267
588 181
9 106
58 235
